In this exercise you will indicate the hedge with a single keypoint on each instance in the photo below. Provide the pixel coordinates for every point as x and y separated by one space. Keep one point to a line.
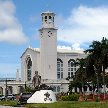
72 97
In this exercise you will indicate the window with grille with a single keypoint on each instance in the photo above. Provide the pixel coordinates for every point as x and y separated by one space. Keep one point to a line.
29 66
71 68
59 68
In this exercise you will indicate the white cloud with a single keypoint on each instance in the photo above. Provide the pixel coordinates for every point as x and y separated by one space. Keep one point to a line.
84 24
75 46
10 28
64 47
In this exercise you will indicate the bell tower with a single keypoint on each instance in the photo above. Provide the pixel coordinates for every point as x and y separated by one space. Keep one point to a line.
48 19
48 46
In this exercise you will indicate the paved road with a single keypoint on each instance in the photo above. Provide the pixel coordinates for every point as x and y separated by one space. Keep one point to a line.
9 107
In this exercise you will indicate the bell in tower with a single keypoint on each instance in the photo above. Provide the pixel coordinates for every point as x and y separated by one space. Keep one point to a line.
48 20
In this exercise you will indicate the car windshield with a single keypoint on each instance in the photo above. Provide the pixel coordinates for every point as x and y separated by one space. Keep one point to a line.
10 95
26 94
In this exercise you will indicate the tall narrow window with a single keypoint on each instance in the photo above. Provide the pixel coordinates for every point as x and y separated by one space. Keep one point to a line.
53 19
54 89
45 18
49 17
58 89
59 68
29 66
71 68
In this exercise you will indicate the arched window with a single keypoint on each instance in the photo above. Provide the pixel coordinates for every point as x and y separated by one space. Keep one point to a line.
58 89
45 18
54 89
59 68
29 66
49 17
53 19
71 68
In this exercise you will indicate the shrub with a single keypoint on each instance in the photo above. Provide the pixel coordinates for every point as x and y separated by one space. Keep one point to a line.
72 97
97 99
64 98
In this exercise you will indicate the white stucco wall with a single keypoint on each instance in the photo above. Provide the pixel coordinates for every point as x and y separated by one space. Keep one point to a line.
48 54
65 57
35 58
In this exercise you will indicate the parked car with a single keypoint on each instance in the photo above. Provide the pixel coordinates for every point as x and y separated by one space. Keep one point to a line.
2 97
10 97
24 97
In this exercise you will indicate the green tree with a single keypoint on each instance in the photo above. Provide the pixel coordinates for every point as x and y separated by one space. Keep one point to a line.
80 76
97 60
95 63
97 56
81 71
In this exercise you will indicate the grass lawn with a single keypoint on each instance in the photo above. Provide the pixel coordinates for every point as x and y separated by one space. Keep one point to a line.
61 104
70 105
8 103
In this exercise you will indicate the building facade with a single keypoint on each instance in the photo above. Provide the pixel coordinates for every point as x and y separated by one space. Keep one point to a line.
53 65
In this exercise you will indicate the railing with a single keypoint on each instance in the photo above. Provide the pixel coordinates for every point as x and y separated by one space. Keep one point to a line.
8 79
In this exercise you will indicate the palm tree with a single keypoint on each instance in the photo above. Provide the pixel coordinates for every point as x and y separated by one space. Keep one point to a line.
80 74
97 58
79 78
98 54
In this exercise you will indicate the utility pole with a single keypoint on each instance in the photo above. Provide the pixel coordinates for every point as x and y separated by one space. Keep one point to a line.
25 85
6 92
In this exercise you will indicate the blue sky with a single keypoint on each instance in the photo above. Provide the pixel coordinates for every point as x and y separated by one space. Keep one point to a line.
79 22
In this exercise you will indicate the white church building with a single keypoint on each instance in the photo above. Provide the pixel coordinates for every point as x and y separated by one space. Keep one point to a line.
53 65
